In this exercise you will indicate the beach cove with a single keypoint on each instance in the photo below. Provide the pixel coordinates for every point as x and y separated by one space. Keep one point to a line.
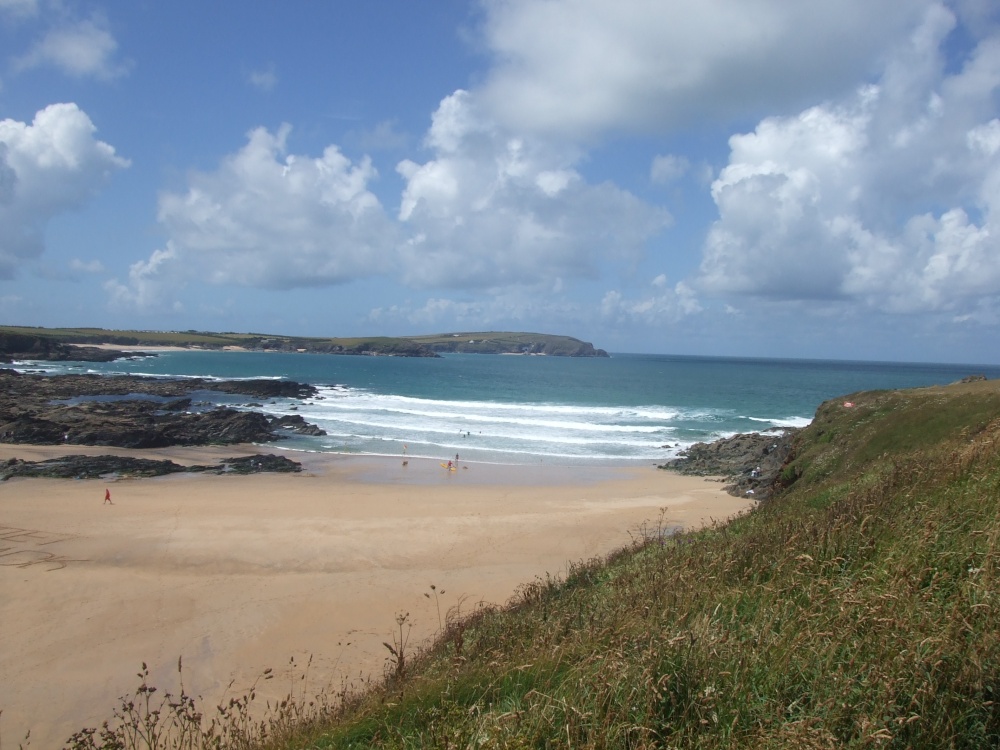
237 574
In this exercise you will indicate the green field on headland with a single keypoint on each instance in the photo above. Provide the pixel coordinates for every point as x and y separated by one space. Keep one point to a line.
857 608
43 342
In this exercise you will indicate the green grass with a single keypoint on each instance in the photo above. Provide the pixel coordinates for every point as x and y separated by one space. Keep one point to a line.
212 340
858 609
129 337
405 345
501 341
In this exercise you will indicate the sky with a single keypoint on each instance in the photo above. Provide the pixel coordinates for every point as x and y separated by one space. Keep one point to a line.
756 178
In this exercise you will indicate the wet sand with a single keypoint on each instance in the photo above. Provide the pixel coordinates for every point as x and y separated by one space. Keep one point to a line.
240 573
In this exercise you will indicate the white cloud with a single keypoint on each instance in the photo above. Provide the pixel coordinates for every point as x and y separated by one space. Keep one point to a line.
513 307
48 167
267 218
265 79
668 168
662 306
890 197
86 266
82 48
433 311
492 209
581 67
150 283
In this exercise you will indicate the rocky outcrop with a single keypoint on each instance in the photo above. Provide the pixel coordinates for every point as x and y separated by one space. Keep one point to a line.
16 346
136 412
751 462
295 423
116 467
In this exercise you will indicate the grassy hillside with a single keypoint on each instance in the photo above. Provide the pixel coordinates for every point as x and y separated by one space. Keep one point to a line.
371 345
857 609
492 342
502 342
127 338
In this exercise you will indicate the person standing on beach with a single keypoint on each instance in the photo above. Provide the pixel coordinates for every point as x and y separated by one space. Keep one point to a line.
107 497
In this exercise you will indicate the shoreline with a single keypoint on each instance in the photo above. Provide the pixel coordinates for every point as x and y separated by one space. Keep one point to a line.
236 574
158 348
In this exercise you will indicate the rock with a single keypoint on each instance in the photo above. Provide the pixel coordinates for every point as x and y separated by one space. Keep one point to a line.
105 467
88 467
135 412
752 462
259 463
260 388
43 348
295 423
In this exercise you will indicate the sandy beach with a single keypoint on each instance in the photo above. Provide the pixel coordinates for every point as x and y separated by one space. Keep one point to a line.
240 573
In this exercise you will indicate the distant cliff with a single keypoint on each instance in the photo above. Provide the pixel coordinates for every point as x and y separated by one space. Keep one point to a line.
77 343
495 342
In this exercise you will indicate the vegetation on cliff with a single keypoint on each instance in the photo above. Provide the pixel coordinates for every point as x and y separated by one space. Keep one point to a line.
63 343
60 343
497 342
856 608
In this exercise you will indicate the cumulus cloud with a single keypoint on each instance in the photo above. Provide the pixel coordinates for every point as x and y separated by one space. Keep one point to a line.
583 67
80 48
660 306
493 209
268 218
48 167
151 283
890 196
490 210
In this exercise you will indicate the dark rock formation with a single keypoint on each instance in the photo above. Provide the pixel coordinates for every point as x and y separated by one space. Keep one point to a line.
137 412
106 467
751 462
295 423
44 348
257 463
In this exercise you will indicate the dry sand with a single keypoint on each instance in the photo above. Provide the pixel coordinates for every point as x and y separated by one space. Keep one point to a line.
237 574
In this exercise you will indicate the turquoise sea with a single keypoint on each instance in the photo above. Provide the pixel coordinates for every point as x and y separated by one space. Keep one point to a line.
629 409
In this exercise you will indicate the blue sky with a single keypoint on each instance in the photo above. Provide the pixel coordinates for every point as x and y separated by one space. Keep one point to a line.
732 177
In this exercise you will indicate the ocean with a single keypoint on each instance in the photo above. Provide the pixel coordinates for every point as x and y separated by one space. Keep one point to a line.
630 409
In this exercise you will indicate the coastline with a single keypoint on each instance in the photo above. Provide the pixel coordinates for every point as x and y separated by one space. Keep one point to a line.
158 348
236 574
